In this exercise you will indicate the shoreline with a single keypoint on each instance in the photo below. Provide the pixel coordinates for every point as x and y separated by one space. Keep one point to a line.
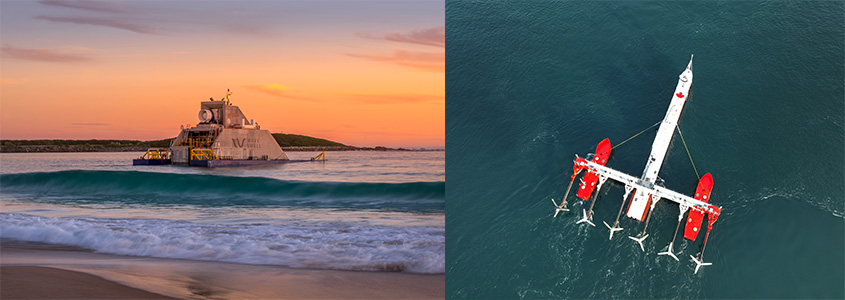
56 149
129 275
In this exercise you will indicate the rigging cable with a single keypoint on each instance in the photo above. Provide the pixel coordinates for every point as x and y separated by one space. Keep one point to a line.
688 154
644 130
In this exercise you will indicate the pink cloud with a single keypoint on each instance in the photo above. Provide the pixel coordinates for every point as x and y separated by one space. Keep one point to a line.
44 55
435 36
421 60
118 23
99 6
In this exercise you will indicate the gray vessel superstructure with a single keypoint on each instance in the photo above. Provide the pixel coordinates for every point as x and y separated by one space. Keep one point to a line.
223 137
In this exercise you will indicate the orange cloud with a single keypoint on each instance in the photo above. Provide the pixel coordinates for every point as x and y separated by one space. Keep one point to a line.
278 90
420 60
435 36
42 55
391 98
391 86
90 124
9 82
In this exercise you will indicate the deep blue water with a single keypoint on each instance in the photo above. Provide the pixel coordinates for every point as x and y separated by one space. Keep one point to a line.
531 84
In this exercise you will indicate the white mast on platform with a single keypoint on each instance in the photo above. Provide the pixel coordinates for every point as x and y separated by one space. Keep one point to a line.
642 199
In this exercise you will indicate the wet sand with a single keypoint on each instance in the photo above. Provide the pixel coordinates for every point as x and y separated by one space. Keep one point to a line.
33 271
27 282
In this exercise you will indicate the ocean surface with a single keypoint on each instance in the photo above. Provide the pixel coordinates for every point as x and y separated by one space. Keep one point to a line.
531 84
358 210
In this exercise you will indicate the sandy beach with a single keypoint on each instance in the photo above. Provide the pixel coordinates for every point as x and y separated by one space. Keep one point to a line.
28 282
37 271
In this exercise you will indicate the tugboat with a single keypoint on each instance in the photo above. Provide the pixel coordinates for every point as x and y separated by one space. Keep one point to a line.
224 137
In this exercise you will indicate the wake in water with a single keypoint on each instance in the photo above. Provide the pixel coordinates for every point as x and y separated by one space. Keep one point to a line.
147 188
319 245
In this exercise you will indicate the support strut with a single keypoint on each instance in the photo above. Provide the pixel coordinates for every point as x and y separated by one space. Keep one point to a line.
699 262
640 238
588 216
711 218
615 226
562 206
683 209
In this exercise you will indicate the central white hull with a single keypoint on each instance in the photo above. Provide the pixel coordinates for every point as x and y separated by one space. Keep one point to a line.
641 200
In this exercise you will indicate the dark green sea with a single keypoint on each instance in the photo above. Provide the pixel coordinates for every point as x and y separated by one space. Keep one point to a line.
531 84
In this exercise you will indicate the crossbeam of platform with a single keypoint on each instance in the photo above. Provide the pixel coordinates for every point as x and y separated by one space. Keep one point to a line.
642 185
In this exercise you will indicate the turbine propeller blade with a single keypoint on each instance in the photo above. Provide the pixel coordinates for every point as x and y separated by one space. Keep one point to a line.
586 219
639 241
699 263
669 252
612 229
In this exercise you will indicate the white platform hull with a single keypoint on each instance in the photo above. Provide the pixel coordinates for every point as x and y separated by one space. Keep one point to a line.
640 203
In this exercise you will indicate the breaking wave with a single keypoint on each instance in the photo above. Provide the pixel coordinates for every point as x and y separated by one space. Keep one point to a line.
148 188
332 245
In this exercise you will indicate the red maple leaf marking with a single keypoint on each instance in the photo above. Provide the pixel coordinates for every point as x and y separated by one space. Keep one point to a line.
680 94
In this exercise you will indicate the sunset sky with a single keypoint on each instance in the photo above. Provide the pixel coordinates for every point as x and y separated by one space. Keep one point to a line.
362 73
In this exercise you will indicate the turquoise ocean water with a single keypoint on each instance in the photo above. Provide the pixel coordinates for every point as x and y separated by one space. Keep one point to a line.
360 210
531 84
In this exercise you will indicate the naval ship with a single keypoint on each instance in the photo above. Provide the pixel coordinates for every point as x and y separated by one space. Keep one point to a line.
224 137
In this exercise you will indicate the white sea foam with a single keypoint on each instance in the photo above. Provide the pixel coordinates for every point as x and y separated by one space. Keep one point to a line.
335 245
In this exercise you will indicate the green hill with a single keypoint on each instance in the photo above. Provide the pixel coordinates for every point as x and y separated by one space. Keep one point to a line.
91 143
294 140
284 140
